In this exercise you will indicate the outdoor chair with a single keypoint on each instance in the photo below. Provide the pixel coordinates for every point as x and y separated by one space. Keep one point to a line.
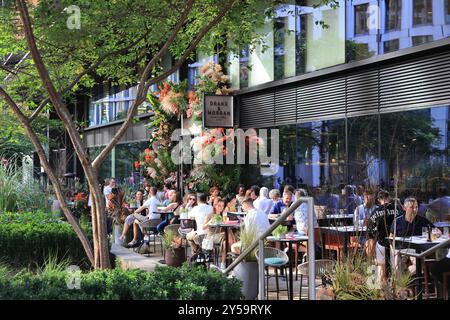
148 227
276 259
186 226
322 267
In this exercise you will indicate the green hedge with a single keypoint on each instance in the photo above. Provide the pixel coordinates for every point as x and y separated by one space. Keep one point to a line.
29 238
166 283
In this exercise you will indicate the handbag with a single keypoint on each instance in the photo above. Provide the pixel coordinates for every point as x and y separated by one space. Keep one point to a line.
207 244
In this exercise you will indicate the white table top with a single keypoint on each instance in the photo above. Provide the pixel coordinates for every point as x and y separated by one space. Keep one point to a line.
338 216
346 229
419 240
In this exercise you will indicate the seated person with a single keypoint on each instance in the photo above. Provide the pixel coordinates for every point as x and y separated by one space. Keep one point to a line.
440 208
407 225
215 233
263 203
172 206
130 218
151 206
254 218
199 213
285 204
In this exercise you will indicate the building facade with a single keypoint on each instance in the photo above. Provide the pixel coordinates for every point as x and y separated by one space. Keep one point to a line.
360 93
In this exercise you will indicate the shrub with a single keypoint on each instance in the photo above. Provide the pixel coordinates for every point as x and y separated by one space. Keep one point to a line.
27 238
15 194
186 283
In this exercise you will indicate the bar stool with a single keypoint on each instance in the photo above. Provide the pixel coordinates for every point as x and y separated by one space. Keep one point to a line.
276 259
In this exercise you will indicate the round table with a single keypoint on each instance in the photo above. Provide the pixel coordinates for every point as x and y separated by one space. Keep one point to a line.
289 241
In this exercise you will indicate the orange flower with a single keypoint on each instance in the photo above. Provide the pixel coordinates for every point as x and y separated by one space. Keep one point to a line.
147 151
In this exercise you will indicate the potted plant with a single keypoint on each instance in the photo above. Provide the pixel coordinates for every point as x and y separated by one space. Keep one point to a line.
247 270
174 252
280 231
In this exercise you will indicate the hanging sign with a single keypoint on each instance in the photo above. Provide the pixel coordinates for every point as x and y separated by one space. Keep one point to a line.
218 111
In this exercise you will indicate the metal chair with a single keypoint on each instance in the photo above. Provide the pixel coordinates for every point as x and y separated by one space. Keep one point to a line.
322 267
148 227
276 259
186 226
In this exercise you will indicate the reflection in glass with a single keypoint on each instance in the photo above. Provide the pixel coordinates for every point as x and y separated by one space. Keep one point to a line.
393 14
415 149
447 11
418 40
363 160
361 18
391 45
422 12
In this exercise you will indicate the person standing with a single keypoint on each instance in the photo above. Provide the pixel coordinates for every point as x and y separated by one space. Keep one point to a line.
379 225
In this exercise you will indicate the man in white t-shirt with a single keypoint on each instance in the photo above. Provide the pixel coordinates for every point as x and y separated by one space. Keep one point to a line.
108 189
254 219
199 213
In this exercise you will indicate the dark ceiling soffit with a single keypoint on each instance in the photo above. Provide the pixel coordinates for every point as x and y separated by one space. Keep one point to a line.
388 58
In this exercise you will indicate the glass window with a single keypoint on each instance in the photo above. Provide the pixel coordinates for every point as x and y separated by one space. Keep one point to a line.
414 148
361 18
422 12
104 171
363 160
317 41
393 14
418 40
284 42
447 11
125 156
391 45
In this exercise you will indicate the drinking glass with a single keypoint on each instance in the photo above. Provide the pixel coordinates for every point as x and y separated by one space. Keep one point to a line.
424 232
445 234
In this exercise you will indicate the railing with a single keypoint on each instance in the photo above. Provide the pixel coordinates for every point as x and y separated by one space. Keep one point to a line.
423 254
260 242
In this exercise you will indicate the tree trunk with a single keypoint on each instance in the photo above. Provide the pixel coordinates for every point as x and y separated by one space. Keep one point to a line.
98 211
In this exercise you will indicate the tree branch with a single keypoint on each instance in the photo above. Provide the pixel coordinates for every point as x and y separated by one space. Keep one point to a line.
51 175
141 92
87 71
140 98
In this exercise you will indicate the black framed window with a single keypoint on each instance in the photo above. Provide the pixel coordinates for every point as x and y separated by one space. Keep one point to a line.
422 12
447 11
393 14
418 40
361 18
391 45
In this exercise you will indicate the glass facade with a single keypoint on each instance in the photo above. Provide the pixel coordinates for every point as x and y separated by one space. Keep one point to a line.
304 38
120 162
111 104
373 151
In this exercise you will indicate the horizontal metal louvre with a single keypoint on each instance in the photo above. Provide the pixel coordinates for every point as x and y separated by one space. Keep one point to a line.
321 99
362 93
408 84
257 111
285 106
418 83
